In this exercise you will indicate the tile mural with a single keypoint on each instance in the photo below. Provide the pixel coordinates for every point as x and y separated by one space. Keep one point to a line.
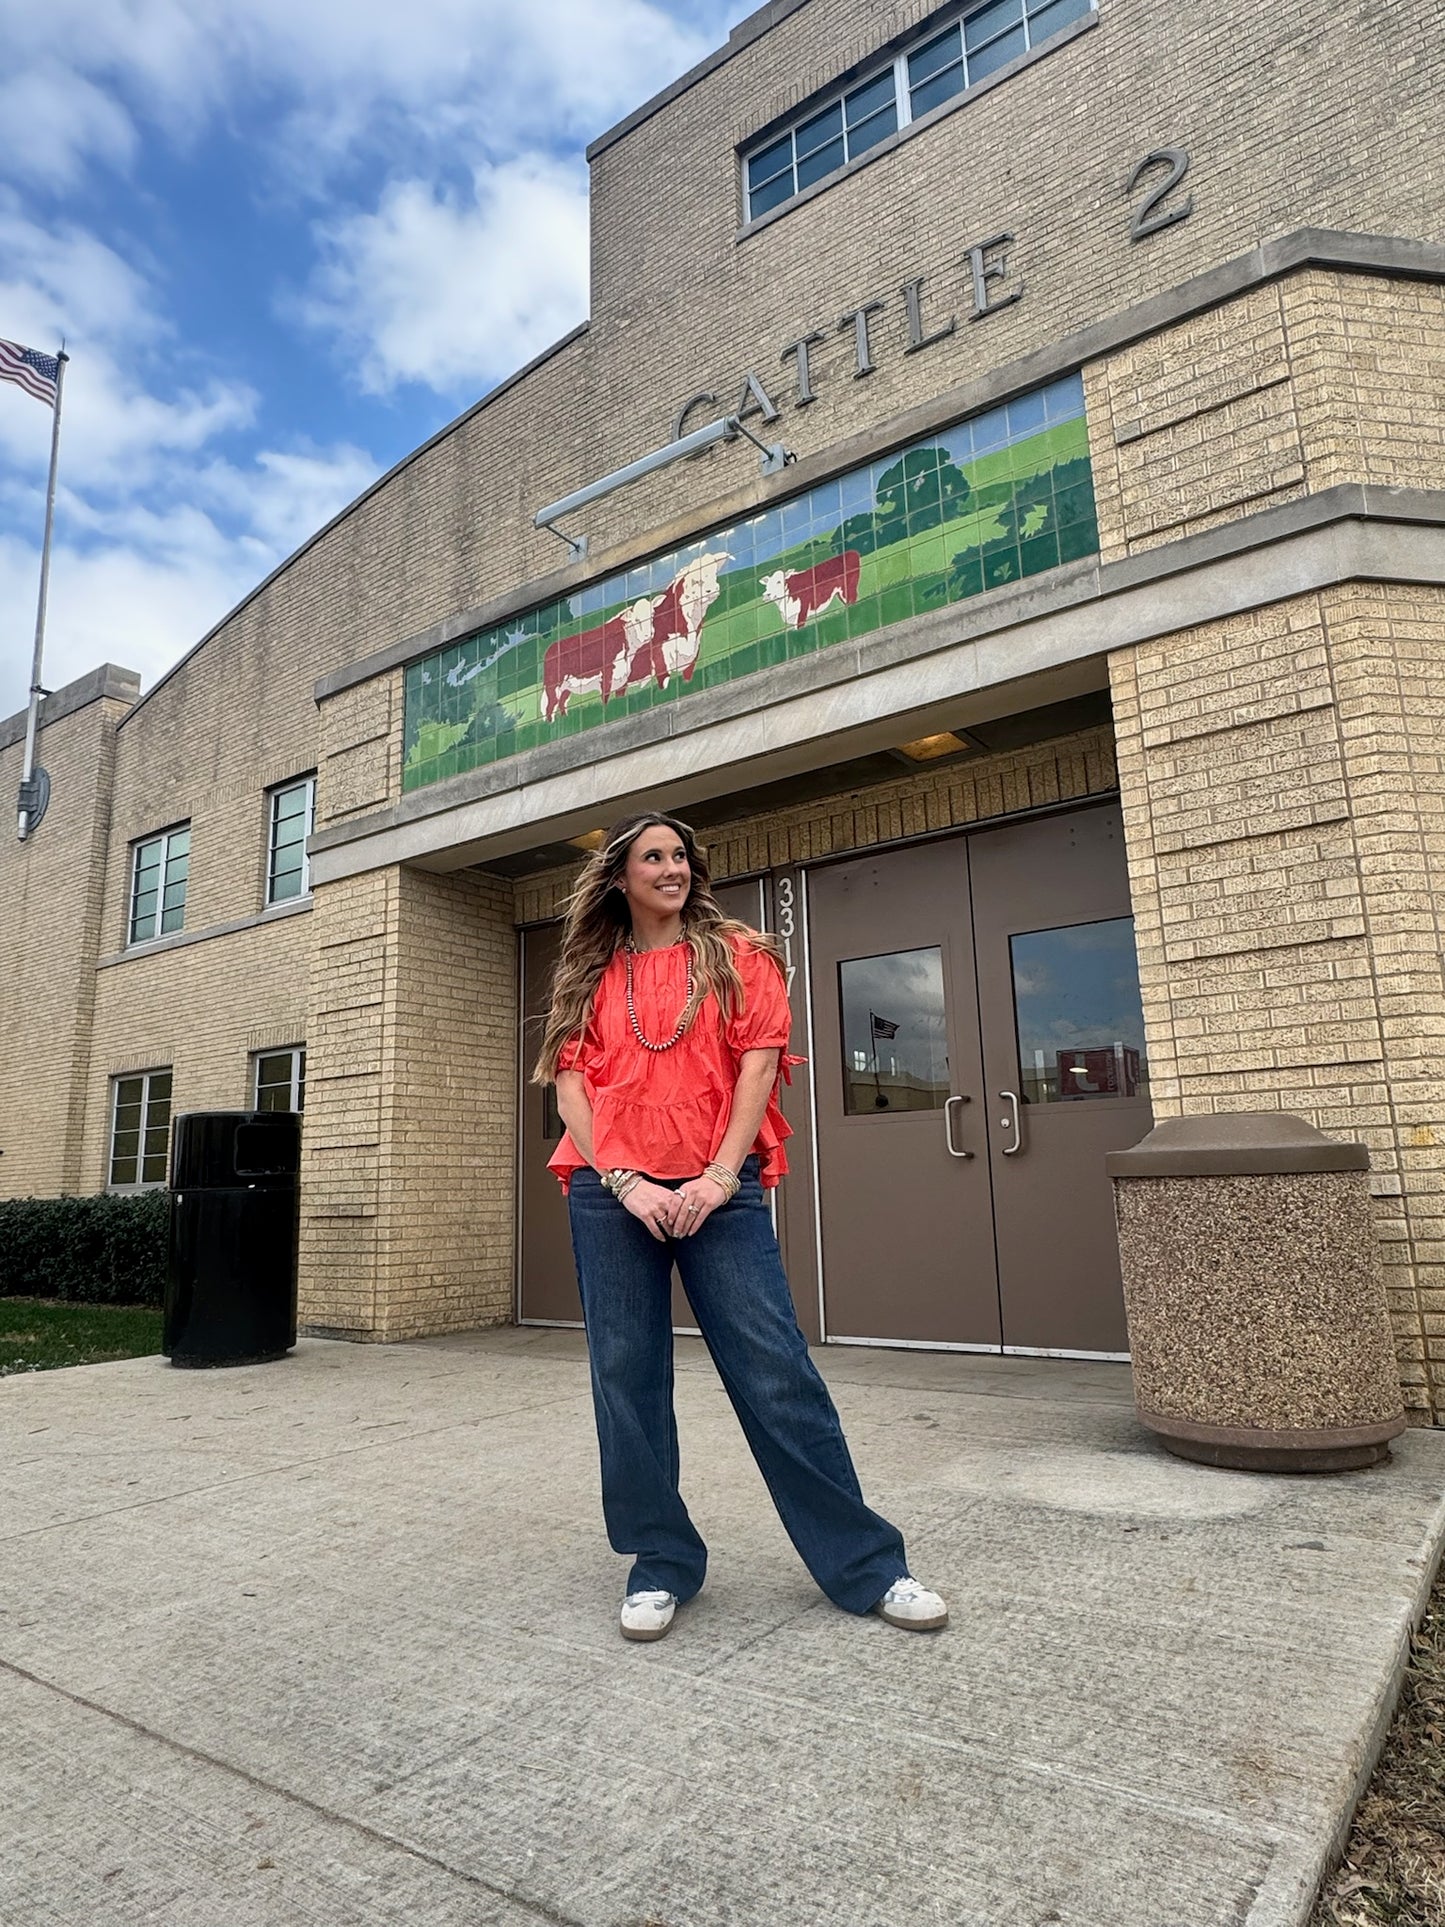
1003 495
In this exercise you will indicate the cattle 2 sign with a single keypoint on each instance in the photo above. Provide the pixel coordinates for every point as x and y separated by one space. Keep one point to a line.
1002 495
992 283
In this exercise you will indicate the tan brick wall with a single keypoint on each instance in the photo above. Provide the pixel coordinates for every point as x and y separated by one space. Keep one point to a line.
410 1140
1311 115
52 886
203 1010
1283 777
1318 379
1062 771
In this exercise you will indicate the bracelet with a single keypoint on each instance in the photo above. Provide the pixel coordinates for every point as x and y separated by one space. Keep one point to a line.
626 1185
729 1180
615 1180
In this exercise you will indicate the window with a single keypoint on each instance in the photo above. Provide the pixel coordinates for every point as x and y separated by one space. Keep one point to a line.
140 1128
1079 1013
933 69
279 1079
894 1032
293 809
158 884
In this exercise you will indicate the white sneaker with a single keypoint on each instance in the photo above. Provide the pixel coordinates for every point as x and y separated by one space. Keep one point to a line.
912 1606
647 1615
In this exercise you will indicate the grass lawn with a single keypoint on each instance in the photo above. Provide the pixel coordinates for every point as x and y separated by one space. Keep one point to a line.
38 1334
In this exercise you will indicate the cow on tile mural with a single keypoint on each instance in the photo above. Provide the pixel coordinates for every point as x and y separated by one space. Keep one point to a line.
655 638
998 497
807 593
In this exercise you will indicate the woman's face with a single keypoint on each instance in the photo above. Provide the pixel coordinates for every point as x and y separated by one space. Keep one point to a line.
657 873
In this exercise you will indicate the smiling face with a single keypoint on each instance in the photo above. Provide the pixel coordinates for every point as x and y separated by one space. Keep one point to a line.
657 876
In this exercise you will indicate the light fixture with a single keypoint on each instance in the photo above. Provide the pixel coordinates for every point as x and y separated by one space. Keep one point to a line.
933 749
725 429
589 840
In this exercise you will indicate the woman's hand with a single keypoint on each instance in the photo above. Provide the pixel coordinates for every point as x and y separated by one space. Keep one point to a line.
655 1206
697 1200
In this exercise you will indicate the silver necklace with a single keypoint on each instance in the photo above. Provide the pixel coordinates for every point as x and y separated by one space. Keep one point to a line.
637 1030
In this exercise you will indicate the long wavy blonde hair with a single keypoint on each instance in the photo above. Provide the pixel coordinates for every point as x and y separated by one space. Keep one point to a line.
599 923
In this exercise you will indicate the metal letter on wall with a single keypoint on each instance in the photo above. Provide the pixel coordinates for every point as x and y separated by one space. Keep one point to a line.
985 271
1149 217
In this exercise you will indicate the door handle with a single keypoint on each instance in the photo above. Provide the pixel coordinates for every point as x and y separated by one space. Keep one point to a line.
1011 1098
953 1150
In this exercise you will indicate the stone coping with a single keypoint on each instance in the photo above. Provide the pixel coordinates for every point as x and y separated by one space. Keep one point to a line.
1235 1144
106 681
1070 614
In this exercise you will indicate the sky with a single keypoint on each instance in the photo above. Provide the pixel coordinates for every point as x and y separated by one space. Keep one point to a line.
284 241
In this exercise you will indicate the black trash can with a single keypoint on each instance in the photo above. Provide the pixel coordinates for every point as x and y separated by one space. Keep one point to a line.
235 1210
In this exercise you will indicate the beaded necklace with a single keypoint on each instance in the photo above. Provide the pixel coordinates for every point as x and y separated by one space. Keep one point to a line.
637 1030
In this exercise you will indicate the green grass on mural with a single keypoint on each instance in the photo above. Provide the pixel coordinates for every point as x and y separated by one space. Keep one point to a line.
1004 496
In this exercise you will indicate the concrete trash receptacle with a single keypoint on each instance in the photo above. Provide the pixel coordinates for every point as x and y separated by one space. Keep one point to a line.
1258 1329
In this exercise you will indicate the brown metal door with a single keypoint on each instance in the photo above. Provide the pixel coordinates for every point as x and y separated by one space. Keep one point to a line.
547 1277
907 1233
1064 1060
548 1281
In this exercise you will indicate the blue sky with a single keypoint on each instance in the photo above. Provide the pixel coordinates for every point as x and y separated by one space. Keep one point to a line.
285 240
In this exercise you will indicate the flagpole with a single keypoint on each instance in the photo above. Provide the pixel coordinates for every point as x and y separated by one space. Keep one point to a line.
32 720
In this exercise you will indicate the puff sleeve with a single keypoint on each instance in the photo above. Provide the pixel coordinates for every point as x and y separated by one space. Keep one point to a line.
765 1020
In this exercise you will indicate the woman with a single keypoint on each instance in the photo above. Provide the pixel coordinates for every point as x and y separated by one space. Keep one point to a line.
665 1038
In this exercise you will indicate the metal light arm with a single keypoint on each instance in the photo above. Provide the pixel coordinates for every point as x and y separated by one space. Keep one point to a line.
725 429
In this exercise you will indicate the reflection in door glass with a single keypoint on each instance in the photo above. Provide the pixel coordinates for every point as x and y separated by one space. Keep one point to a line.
895 1050
1080 1023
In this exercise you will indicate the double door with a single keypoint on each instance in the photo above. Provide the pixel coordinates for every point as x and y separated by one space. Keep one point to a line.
978 1048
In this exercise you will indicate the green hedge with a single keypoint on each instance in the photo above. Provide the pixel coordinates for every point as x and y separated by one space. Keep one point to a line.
109 1250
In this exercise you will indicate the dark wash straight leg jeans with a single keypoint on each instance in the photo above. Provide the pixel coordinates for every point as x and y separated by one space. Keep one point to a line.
732 1273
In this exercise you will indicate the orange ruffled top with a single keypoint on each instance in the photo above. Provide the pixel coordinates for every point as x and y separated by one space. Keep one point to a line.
666 1113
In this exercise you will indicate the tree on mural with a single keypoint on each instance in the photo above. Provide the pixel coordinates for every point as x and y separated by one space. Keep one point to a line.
922 491
1026 533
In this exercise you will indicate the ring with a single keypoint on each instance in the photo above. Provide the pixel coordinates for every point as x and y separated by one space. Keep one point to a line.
694 1207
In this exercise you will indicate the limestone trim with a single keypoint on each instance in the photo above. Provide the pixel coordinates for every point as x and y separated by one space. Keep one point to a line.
1303 248
105 683
182 938
855 697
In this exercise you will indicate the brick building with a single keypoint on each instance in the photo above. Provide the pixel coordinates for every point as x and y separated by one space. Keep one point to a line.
1070 703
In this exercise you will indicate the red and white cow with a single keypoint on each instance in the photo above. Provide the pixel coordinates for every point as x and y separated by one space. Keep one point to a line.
656 638
677 619
802 596
600 658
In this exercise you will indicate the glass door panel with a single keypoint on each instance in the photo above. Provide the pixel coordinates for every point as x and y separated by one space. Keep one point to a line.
907 1239
898 1061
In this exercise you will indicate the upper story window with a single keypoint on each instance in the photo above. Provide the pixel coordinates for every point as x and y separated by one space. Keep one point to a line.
159 872
140 1128
932 69
292 812
278 1079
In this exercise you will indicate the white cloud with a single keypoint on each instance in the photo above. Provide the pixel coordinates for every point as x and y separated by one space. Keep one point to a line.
445 290
137 584
495 75
452 246
56 122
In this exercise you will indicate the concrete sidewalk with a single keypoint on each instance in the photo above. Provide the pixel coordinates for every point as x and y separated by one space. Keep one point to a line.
334 1641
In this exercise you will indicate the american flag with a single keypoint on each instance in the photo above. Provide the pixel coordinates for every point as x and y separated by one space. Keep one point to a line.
880 1026
37 374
